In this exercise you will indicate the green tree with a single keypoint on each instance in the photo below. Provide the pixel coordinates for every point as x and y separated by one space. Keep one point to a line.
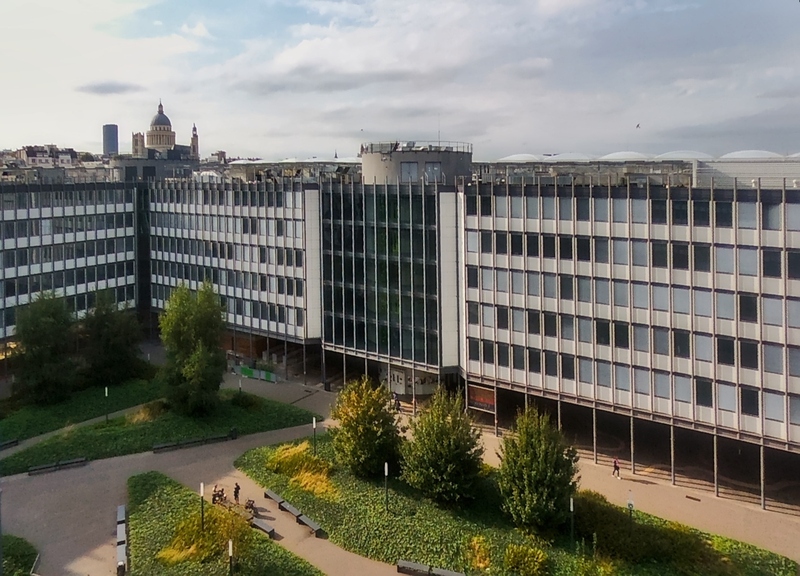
368 434
538 472
191 329
45 332
443 458
112 339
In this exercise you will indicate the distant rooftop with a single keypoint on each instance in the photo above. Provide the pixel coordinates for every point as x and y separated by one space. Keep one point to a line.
415 146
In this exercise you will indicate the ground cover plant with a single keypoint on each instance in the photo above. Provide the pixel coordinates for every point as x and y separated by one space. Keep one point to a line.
154 425
478 538
165 536
18 556
31 420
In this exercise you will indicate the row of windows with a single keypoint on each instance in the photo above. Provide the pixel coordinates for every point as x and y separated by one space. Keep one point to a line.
623 335
270 227
383 205
227 250
218 196
247 308
230 278
742 306
63 198
42 282
370 239
77 303
746 214
65 225
66 252
681 388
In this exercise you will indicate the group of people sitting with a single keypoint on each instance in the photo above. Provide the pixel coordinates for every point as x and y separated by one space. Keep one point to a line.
218 497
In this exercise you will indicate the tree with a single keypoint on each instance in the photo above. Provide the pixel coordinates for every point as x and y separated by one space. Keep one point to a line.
46 373
443 459
368 433
538 472
191 329
112 342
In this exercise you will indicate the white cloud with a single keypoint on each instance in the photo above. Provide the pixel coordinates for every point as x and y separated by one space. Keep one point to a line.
199 30
157 23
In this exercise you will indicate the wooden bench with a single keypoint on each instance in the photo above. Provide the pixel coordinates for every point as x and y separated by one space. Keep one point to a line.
74 463
122 554
165 447
192 442
443 572
8 444
406 567
273 496
121 514
219 438
286 507
122 538
259 524
315 528
42 469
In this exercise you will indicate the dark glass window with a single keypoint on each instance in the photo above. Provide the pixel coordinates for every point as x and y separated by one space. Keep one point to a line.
723 214
584 245
472 276
551 363
582 210
488 351
568 366
518 357
532 241
486 205
474 346
748 354
472 205
726 353
659 255
550 324
534 322
703 392
502 318
680 343
501 242
748 307
771 263
517 245
534 360
658 211
702 258
601 250
565 247
748 399
502 355
549 246
621 335
473 313
486 242
680 256
701 213
602 330
680 212
793 264
566 287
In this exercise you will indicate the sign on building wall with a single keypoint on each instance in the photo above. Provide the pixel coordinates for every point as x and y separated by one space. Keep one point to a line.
480 398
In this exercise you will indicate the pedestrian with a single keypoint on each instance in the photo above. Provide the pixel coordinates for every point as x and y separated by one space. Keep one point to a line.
236 489
616 468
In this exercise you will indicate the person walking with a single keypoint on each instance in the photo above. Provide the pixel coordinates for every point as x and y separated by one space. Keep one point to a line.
236 489
616 468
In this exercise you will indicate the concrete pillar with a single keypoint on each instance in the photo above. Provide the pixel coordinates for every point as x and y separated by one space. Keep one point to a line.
324 372
305 373
763 478
633 461
414 395
716 468
594 433
285 357
558 412
496 427
672 453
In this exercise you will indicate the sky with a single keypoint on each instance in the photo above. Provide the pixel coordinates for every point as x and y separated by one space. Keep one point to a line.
301 78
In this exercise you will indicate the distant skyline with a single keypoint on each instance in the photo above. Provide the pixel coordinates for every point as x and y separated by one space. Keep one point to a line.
301 78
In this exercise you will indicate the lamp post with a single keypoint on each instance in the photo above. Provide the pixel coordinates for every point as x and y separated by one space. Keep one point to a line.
386 484
572 520
314 425
240 384
630 512
106 404
230 556
202 507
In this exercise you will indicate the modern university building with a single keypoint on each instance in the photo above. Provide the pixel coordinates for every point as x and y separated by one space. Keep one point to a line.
652 304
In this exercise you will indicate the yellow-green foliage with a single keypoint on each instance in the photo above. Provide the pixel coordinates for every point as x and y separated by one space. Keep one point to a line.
305 470
147 413
588 566
478 553
191 542
525 560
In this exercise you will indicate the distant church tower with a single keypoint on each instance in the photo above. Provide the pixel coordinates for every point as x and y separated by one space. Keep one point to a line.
137 146
195 153
161 136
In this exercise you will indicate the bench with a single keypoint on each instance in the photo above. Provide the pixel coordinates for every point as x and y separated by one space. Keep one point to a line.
259 524
74 463
219 438
165 447
273 496
8 444
443 572
315 528
122 538
42 469
406 567
286 507
121 515
192 442
122 554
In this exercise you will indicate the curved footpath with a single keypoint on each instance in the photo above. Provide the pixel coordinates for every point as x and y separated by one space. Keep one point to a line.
69 515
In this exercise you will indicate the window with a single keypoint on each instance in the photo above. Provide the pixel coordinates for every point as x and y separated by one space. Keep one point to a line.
726 306
550 324
747 215
701 213
550 283
641 338
502 355
641 296
794 361
534 322
661 297
409 172
500 206
680 212
748 261
770 216
584 289
659 253
518 357
661 385
639 210
794 410
488 315
683 388
640 252
620 207
793 264
621 335
601 250
622 378
584 249
532 208
661 341
533 283
548 246
565 208
748 354
472 241
501 242
748 307
724 259
620 248
472 205
773 358
620 293
771 263
474 349
585 330
487 278
681 300
486 205
568 366
565 247
548 208
680 344
774 406
602 332
486 242
550 363
566 287
517 209
658 211
749 401
704 392
532 245
502 281
723 214
582 212
534 360
488 351
641 381
680 256
472 277
704 347
517 246
518 320
773 310
601 209
502 318
702 302
726 351
517 282
604 374
586 374
726 397
702 258
473 313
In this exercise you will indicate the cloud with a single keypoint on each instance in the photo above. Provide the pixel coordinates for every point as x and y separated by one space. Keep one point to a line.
199 30
109 88
157 23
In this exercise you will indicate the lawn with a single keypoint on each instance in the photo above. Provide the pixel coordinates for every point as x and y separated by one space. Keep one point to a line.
29 421
158 506
139 432
18 556
415 529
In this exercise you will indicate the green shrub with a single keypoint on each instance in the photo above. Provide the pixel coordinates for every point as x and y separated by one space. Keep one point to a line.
537 473
443 458
525 561
18 556
367 435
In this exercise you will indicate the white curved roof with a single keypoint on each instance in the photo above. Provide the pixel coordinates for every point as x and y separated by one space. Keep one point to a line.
569 157
750 155
797 155
684 155
520 158
626 155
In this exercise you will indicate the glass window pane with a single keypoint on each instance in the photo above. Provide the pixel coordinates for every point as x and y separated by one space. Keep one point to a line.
565 208
661 298
641 338
794 410
726 305
641 295
747 214
620 248
532 208
681 300
770 216
640 252
585 330
604 374
622 378
683 388
661 387
748 261
641 380
639 210
794 312
601 209
548 208
704 347
724 259
585 372
584 289
601 291
620 206
702 303
773 358
726 397
620 293
773 311
774 406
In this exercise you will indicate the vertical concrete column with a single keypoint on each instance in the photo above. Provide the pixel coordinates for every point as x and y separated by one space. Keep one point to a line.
763 478
672 453
496 427
558 415
594 433
305 373
344 369
324 371
716 468
633 461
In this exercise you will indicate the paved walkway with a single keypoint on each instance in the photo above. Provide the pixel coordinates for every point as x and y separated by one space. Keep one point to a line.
69 515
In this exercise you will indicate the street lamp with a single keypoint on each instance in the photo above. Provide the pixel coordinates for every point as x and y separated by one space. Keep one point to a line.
314 425
572 520
240 384
386 484
230 555
106 404
630 512
202 507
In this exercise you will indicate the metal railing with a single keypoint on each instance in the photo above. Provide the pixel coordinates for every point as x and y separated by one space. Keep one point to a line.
416 146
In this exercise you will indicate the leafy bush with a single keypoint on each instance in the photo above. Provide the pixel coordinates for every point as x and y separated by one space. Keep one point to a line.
525 561
208 541
443 458
307 471
367 435
18 556
478 553
537 474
